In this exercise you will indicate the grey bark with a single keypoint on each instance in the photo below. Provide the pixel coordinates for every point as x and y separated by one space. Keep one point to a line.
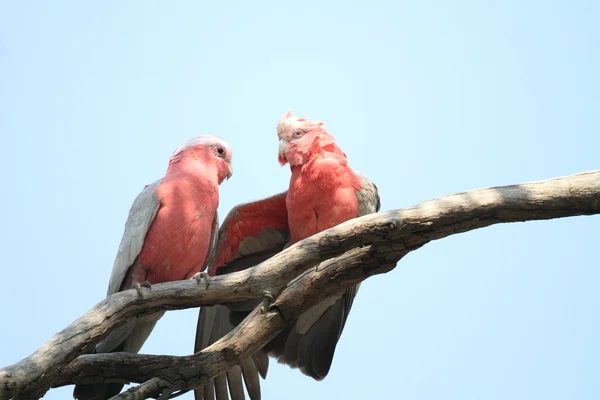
347 253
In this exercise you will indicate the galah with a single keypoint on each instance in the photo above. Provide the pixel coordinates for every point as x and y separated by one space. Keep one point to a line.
170 235
324 191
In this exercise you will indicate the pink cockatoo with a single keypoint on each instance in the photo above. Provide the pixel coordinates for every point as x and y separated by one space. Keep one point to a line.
324 191
170 235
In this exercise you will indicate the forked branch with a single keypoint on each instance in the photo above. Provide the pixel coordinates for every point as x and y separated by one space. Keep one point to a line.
348 253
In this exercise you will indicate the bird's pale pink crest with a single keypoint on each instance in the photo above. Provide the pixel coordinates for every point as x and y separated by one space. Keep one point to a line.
288 123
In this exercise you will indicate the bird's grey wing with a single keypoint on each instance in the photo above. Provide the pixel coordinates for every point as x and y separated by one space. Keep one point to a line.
369 201
251 233
310 343
142 213
131 336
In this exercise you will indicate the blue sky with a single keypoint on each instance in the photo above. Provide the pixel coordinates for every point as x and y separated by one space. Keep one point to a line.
426 97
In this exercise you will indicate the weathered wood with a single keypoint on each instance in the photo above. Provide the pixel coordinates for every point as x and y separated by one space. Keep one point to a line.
388 236
148 389
262 325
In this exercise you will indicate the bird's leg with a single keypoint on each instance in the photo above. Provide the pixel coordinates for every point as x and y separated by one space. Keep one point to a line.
198 277
268 300
138 286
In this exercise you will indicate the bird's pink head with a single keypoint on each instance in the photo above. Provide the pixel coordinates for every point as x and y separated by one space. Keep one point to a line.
300 138
204 151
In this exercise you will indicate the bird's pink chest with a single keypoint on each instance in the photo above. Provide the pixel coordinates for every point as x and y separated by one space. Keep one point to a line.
318 200
178 241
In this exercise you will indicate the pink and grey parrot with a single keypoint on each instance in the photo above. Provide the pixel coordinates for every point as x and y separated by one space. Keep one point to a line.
170 235
324 191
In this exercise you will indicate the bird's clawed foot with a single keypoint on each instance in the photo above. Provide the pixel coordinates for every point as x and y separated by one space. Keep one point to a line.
269 299
138 286
198 277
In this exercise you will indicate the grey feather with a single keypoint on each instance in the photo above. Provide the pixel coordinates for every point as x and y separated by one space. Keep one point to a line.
116 337
142 329
234 380
214 322
142 213
214 237
250 374
368 196
132 335
221 387
262 363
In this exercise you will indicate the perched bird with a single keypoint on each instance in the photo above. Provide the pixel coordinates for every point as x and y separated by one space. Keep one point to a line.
324 191
170 235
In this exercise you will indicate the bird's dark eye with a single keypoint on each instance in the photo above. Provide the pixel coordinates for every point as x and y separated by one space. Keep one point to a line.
220 150
298 133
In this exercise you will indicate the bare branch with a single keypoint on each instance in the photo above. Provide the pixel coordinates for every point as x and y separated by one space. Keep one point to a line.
146 390
262 325
378 240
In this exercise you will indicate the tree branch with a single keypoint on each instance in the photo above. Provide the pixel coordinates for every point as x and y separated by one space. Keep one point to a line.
262 325
147 389
367 245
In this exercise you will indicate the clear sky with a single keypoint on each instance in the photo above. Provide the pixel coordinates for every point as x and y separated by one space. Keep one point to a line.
426 97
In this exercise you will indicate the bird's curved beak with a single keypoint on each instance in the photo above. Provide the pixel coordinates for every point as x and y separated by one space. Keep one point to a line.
282 146
230 173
